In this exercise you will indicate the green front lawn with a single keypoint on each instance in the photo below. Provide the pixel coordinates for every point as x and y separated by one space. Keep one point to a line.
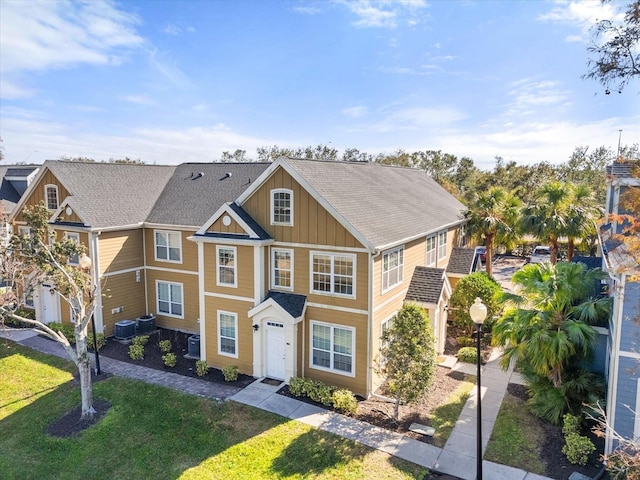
154 433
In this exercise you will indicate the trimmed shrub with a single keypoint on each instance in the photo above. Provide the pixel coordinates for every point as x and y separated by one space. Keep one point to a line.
141 340
465 341
67 330
169 359
345 401
165 346
321 393
477 284
136 352
468 354
570 424
298 386
100 341
230 373
577 448
202 368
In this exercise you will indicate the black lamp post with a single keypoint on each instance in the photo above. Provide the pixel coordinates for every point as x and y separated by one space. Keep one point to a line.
478 313
85 264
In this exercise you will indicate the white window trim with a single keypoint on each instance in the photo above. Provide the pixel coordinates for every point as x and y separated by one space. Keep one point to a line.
165 314
76 237
442 248
24 230
46 195
282 190
168 233
235 266
273 268
400 267
333 255
235 318
434 250
353 348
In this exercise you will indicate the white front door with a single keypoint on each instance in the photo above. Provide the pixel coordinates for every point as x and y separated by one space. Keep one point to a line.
275 350
49 304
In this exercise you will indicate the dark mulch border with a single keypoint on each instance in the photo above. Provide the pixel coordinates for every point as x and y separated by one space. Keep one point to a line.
70 425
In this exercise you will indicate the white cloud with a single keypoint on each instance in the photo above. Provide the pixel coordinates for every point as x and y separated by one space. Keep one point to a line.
172 30
579 14
384 13
355 112
307 10
528 95
416 118
169 70
138 99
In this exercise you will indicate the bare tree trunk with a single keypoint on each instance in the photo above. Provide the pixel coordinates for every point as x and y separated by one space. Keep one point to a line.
570 248
84 371
554 249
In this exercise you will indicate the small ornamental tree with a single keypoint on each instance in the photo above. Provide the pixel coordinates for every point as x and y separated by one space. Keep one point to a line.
32 259
407 356
477 285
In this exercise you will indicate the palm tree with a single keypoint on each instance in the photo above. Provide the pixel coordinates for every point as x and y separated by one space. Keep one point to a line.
582 216
493 216
547 323
548 218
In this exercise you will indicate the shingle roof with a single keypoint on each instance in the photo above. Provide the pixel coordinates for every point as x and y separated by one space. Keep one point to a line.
108 194
197 190
622 169
291 302
426 285
248 219
589 262
461 260
385 204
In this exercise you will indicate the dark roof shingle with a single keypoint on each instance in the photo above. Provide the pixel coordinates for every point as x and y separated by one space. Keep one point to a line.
426 285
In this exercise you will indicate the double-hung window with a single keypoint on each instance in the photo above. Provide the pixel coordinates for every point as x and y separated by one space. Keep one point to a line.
281 207
226 271
333 273
228 334
392 266
442 245
431 251
168 246
75 238
51 196
332 348
169 299
282 268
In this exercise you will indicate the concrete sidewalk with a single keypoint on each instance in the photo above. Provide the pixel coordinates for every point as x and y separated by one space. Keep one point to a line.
457 458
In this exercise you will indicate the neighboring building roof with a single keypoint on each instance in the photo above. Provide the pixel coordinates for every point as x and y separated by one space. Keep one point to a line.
13 183
196 190
462 260
622 169
108 194
385 204
292 303
589 262
426 285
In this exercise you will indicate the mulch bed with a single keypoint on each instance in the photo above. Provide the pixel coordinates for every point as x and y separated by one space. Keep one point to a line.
380 413
70 425
558 467
119 350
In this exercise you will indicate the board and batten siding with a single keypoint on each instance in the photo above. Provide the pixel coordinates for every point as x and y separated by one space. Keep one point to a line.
312 224
38 193
120 251
189 322
233 228
123 298
244 334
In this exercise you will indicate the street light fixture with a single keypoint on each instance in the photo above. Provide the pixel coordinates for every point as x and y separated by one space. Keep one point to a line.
478 313
85 264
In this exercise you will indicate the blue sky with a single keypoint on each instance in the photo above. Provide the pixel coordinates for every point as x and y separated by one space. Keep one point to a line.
177 81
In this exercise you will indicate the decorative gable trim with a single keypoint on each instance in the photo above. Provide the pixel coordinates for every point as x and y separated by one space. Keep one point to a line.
61 211
282 163
34 185
270 303
226 209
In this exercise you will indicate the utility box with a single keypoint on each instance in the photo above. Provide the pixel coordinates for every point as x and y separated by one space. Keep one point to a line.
146 324
194 346
125 329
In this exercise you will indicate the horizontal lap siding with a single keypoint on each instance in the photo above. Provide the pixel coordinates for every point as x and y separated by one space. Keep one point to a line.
244 334
189 251
628 375
122 291
190 300
357 384
120 251
244 271
312 224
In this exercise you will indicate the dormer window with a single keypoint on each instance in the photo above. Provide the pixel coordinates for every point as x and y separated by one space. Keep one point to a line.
281 207
51 196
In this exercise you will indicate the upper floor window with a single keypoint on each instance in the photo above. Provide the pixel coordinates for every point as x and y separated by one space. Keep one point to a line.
431 251
333 273
332 348
169 296
442 245
282 268
74 237
51 196
168 246
281 207
226 272
392 266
